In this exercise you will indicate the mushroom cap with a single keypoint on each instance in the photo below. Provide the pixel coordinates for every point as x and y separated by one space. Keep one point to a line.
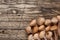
55 27
33 23
40 21
58 17
47 28
54 20
35 29
42 34
36 36
28 30
30 37
47 22
42 27
49 35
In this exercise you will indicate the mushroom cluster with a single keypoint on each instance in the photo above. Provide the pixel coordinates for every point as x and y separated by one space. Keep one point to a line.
43 29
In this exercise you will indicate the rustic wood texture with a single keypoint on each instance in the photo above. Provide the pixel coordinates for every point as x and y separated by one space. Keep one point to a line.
12 25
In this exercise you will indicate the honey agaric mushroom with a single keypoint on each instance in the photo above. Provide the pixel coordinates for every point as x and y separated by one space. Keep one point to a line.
33 23
36 36
42 35
54 20
47 22
55 27
35 29
49 35
47 28
28 30
59 28
40 21
42 27
58 17
30 37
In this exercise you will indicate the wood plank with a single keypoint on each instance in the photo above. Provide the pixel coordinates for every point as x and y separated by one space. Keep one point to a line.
19 34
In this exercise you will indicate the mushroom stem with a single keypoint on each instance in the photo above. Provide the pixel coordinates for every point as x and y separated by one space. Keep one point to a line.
45 38
56 36
51 38
59 28
39 39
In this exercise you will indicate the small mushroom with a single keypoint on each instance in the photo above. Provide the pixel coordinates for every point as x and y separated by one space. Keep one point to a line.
54 20
58 17
40 21
47 22
49 35
33 23
59 28
35 29
42 34
55 27
28 30
42 27
30 37
47 28
36 36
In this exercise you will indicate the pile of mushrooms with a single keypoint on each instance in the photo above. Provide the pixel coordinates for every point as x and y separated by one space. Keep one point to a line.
44 29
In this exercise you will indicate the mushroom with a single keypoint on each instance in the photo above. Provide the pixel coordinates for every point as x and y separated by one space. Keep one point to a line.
49 35
54 20
28 30
42 27
40 21
47 28
58 17
54 27
30 37
35 29
42 35
36 36
47 22
59 28
33 23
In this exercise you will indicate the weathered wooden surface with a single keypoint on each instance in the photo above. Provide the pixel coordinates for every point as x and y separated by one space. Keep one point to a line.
12 25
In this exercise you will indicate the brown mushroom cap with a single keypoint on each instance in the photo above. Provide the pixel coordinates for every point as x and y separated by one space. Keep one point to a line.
30 37
49 35
42 27
42 34
55 27
54 20
35 29
47 22
40 21
28 30
47 28
36 36
33 23
58 17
